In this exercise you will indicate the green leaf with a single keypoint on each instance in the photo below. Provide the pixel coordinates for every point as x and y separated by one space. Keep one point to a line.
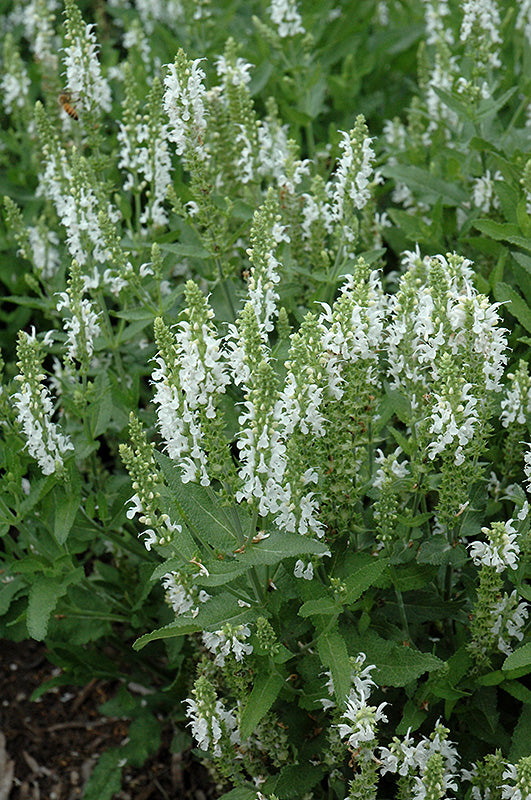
426 185
396 664
412 718
437 550
265 692
295 781
66 508
212 615
503 232
334 655
181 627
203 516
185 250
43 597
363 572
101 410
521 743
144 739
240 793
106 778
515 304
8 591
519 660
323 605
281 545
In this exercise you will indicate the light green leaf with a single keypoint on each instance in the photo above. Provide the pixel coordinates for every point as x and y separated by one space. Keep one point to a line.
515 304
43 597
211 616
8 591
519 660
425 184
265 692
181 627
185 250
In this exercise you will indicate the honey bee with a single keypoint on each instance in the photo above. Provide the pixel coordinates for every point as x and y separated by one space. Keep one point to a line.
64 100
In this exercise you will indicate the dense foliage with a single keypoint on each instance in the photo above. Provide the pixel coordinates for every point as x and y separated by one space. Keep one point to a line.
266 401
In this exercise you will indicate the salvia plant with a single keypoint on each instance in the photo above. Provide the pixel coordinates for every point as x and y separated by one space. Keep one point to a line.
265 393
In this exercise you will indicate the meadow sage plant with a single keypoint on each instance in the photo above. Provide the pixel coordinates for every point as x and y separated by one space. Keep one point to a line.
265 398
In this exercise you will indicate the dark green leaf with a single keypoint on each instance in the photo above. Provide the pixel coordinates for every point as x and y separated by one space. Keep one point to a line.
323 605
106 778
265 692
521 743
334 656
202 514
295 781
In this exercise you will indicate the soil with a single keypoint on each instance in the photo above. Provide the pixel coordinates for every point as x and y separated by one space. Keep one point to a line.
48 747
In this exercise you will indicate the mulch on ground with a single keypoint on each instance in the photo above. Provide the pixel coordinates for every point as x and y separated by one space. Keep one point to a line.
48 747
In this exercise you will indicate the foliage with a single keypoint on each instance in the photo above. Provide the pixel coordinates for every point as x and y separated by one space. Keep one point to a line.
265 308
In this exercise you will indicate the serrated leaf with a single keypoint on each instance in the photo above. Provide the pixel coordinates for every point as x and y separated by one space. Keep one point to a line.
202 515
425 184
240 793
181 627
185 250
43 597
334 656
280 545
521 743
437 550
144 739
323 605
264 693
211 616
106 778
295 781
515 304
503 232
396 664
520 659
8 591
364 571
65 511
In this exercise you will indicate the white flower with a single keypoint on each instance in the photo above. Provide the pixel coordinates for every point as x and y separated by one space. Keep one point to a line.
303 571
501 553
83 71
229 639
285 15
362 718
183 102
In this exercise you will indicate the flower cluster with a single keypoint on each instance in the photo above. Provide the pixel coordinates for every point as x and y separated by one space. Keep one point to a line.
45 440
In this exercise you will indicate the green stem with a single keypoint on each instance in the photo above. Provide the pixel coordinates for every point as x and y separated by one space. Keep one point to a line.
223 282
401 607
